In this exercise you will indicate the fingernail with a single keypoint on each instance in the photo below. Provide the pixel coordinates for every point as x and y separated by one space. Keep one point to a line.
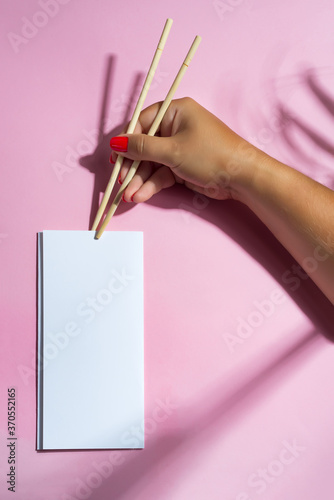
119 179
111 160
123 198
119 144
132 196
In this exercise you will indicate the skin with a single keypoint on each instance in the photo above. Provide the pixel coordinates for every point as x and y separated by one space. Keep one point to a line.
197 149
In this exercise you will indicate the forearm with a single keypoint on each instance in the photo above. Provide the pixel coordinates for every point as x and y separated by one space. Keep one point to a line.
299 212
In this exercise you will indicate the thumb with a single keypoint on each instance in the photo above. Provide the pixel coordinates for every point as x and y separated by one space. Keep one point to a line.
145 147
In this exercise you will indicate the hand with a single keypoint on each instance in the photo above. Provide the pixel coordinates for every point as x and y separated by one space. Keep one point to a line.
198 150
192 147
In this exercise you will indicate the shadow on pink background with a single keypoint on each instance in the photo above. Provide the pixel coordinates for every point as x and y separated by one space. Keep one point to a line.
227 416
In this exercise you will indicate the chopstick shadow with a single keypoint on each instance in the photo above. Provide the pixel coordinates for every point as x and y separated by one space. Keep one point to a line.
224 408
98 162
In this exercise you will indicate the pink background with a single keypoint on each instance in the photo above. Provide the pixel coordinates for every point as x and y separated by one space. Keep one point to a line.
238 348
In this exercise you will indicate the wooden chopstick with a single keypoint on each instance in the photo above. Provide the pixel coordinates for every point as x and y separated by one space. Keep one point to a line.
152 131
134 119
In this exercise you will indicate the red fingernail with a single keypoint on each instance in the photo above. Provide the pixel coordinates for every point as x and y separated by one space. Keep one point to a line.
111 160
132 196
119 144
119 179
123 198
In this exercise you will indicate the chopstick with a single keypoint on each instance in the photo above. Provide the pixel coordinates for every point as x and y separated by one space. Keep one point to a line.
134 119
154 127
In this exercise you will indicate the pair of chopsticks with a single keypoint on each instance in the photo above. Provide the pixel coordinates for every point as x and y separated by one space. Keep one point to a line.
154 127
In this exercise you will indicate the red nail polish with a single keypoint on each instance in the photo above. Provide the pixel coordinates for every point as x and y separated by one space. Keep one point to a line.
111 160
123 198
119 179
132 196
119 144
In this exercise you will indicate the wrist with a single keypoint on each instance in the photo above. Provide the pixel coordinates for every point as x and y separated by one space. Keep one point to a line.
243 171
264 182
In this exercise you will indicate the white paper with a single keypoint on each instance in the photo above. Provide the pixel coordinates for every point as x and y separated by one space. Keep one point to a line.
90 340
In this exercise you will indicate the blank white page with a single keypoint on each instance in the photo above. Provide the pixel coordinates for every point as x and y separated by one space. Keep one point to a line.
90 340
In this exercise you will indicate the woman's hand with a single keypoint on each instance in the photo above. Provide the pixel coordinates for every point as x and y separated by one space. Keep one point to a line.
193 147
197 149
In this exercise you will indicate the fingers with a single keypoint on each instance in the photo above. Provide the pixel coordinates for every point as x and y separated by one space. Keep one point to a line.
149 150
147 116
124 170
144 185
140 177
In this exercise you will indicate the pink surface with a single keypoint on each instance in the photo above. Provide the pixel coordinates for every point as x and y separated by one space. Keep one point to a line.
238 347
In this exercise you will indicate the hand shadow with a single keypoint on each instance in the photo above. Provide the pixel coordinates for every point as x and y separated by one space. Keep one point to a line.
222 405
319 142
235 219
